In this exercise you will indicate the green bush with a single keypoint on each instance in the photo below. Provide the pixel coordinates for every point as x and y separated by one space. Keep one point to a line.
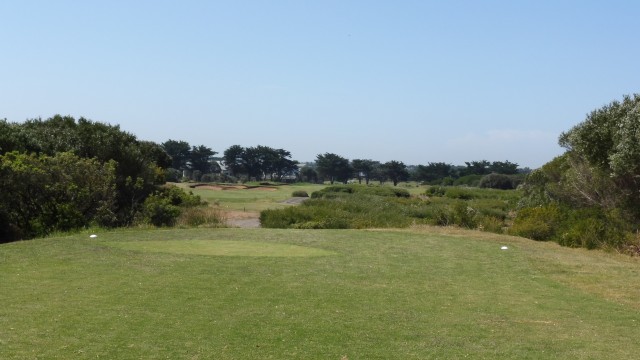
159 211
459 193
362 189
436 191
594 228
300 193
538 223
497 181
468 180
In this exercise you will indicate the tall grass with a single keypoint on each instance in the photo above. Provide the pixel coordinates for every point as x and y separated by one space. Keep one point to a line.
359 207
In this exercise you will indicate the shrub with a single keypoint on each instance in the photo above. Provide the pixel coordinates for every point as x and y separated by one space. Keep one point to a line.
538 223
436 191
159 211
459 193
594 228
468 180
300 193
496 181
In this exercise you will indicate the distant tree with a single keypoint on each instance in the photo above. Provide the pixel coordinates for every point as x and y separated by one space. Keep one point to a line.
363 168
503 167
232 159
477 167
433 171
309 174
200 159
333 167
395 171
180 152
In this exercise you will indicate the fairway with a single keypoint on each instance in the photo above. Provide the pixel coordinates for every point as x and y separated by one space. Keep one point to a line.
314 294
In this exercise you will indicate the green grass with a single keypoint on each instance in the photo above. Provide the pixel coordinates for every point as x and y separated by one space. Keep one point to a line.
393 294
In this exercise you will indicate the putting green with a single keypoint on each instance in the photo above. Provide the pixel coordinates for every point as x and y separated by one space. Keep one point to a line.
221 248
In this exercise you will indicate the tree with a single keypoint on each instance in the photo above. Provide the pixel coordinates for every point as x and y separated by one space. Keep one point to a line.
503 167
334 167
603 154
309 174
477 167
180 152
396 171
200 159
433 171
232 158
363 168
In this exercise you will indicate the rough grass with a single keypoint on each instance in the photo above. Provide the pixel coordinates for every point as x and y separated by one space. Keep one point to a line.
394 294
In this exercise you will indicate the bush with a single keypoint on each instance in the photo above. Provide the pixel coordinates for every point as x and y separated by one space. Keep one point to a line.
497 181
300 193
538 223
436 191
468 180
164 206
159 211
594 228
459 193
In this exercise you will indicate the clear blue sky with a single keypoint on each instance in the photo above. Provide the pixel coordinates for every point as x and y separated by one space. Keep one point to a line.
415 81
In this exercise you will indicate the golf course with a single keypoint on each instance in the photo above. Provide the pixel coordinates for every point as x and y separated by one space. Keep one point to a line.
232 293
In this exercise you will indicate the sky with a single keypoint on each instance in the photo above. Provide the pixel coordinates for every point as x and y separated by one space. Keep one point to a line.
413 81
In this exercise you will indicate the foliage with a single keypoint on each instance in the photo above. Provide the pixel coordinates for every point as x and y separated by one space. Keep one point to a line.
259 162
395 171
432 172
300 193
468 180
333 167
364 168
538 223
179 151
360 189
596 180
455 192
164 206
42 194
498 181
360 206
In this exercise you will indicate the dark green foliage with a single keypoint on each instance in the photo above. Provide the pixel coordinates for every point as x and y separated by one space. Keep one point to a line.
300 193
333 167
259 162
163 207
42 194
395 171
436 191
497 181
361 189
